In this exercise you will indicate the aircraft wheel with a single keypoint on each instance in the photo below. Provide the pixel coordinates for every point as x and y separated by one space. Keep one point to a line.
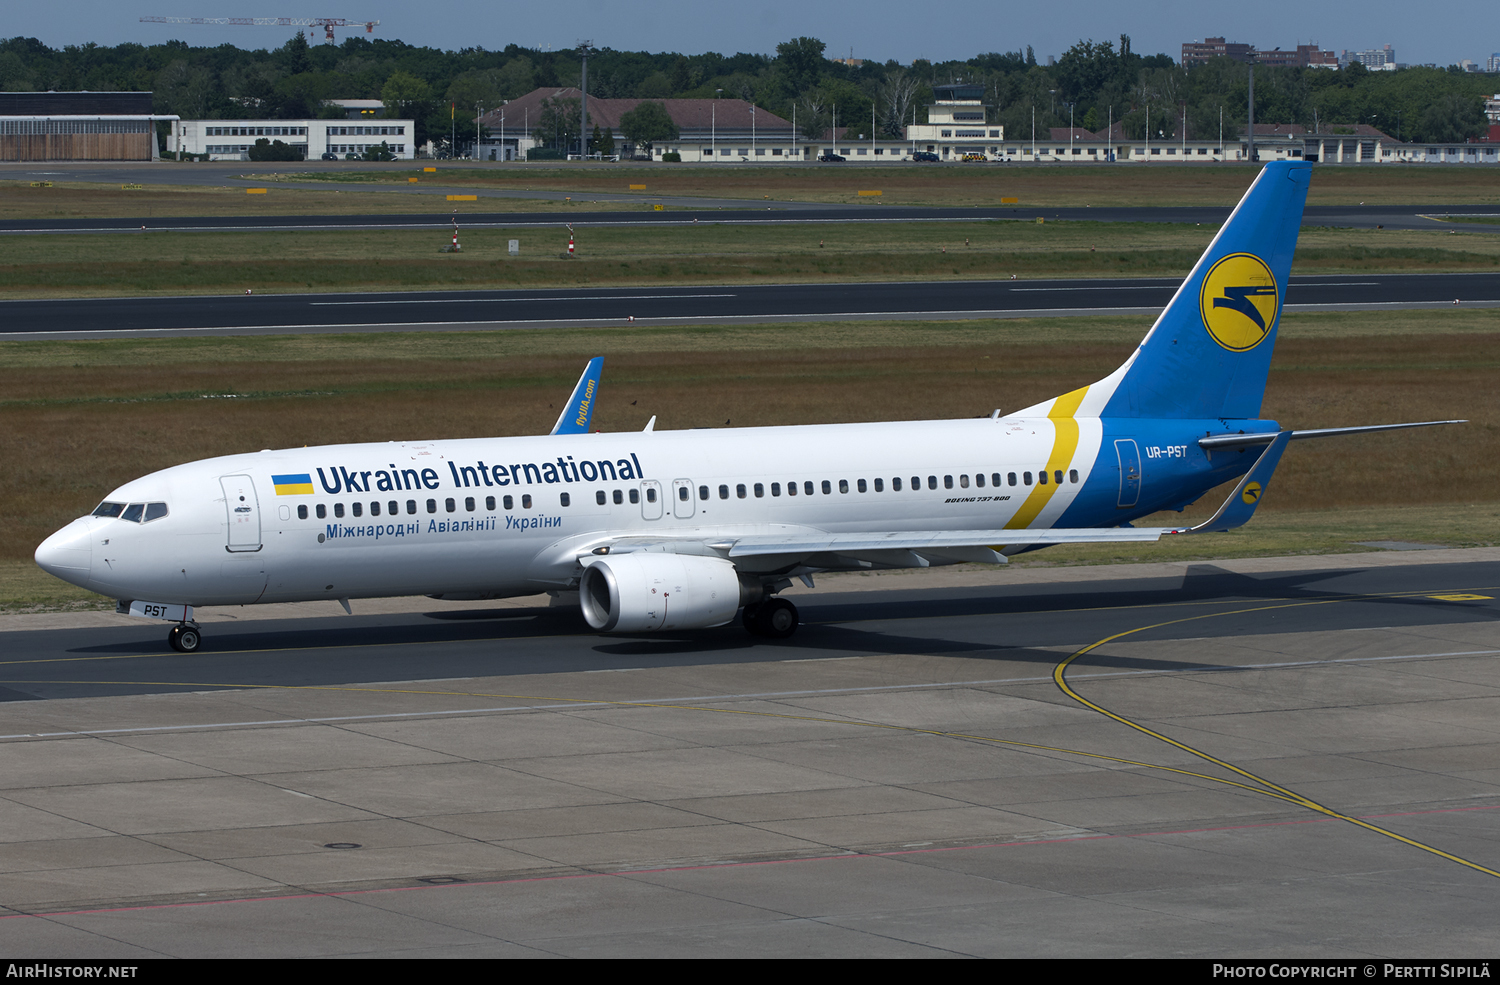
184 639
776 619
748 619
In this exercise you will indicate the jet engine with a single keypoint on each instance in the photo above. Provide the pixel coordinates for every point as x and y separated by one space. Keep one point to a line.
645 591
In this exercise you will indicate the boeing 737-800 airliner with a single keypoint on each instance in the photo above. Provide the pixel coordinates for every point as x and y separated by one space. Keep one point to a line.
670 530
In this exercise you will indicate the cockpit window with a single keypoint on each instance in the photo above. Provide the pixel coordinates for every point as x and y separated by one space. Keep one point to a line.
133 512
155 511
108 509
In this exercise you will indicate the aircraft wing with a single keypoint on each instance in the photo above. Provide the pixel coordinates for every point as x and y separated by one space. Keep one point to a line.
578 412
919 540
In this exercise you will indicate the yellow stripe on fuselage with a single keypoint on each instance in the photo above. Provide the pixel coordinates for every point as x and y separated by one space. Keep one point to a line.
294 489
1064 445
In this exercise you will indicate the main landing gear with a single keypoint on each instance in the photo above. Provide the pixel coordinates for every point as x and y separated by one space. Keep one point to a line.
775 618
184 638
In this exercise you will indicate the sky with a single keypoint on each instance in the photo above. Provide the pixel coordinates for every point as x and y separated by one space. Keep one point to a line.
1442 33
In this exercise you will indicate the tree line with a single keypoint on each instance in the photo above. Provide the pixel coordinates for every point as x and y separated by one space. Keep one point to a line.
1089 84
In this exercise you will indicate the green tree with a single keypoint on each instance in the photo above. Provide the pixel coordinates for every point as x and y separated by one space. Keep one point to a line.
802 60
407 97
646 124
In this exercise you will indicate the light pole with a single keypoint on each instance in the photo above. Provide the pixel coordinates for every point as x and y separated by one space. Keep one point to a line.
713 131
1070 132
584 49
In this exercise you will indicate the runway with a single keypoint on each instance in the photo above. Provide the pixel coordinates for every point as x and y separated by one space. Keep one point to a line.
492 310
1281 757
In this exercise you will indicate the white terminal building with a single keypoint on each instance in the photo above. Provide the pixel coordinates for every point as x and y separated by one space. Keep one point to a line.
955 125
231 140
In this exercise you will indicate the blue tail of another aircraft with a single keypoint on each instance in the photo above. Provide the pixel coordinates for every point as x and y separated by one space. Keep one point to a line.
1209 353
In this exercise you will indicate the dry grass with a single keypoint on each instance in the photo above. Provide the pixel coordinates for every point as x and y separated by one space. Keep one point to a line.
89 200
954 185
709 253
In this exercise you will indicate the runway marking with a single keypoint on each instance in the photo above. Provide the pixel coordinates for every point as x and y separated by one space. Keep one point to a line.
918 849
1267 788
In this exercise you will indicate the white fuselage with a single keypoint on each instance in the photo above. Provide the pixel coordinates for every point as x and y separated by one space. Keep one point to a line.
486 517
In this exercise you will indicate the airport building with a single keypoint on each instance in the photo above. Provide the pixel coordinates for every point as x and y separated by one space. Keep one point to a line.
231 140
956 126
77 126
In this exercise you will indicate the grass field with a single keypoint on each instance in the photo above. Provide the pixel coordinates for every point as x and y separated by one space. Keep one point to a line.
125 264
82 417
957 185
80 200
372 191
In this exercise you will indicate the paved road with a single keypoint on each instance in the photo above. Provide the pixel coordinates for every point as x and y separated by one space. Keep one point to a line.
302 313
901 779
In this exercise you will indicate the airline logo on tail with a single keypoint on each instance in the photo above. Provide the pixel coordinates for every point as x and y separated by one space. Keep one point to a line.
1239 301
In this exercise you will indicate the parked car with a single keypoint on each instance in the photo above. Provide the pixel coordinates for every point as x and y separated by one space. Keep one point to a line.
830 158
975 157
330 156
924 155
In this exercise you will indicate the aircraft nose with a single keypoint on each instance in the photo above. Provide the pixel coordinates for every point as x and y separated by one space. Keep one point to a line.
68 554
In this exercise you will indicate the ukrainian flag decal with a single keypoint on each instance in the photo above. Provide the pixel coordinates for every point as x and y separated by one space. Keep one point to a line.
293 485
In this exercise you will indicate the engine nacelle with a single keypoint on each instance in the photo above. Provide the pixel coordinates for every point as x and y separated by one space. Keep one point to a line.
645 591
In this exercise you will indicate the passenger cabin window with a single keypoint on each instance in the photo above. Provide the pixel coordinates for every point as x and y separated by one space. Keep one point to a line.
509 503
1072 475
651 494
322 511
827 487
448 505
302 512
1011 478
599 497
760 491
703 492
338 509
963 482
358 509
947 482
635 495
895 484
879 485
1026 477
395 507
489 503
979 479
1057 474
739 490
843 485
860 485
1041 478
723 492
469 503
775 489
431 506
526 501
565 499
618 497
375 508
932 481
807 488
682 493
791 489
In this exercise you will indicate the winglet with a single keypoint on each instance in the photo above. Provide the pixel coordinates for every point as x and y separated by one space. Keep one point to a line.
1241 504
579 410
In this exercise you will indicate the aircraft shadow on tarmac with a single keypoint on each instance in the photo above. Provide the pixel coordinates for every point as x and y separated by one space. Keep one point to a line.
376 647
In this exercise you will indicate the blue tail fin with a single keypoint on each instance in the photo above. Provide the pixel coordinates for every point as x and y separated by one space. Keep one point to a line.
1208 354
578 412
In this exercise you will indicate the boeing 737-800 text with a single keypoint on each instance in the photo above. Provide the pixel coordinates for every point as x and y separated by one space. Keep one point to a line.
670 530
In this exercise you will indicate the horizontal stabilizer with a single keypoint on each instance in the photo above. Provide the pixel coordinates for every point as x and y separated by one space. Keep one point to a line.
578 413
1241 504
1266 437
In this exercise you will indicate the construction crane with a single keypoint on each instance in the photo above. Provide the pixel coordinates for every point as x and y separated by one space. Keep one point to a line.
326 23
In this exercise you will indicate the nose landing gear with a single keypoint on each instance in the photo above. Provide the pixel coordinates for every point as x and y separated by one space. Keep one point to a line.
184 638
